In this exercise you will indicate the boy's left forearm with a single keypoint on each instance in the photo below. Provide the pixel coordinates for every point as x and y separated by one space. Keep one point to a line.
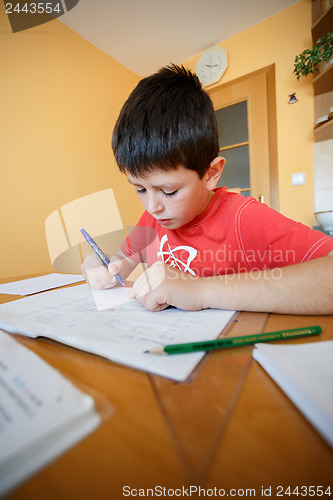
305 288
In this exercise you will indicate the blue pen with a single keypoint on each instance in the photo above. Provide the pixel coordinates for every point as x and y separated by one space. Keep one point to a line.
100 254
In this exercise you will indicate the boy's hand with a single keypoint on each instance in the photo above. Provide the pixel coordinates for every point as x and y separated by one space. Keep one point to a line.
162 286
96 274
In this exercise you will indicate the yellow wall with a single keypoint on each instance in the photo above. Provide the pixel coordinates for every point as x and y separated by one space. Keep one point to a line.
60 97
276 41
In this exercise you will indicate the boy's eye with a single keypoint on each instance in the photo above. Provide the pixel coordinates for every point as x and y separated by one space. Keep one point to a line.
170 194
165 193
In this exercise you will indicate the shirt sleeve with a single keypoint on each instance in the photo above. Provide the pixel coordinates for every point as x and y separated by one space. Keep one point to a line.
269 239
139 240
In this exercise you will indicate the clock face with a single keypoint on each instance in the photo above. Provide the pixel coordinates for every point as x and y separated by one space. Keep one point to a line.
211 65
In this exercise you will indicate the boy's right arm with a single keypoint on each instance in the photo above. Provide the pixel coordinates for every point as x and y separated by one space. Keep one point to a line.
98 276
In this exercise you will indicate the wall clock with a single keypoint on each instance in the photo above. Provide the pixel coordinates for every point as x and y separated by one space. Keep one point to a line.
211 65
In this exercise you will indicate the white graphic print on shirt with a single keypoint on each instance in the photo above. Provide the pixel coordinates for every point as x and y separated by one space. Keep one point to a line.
169 255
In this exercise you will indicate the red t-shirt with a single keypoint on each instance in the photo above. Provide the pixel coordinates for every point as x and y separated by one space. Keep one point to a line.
233 234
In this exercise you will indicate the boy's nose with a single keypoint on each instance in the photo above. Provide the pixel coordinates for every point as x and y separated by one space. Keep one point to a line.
155 206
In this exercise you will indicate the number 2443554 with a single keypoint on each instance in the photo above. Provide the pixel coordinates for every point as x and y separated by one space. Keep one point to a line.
310 491
34 8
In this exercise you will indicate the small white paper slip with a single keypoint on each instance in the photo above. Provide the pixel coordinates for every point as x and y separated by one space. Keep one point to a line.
111 298
42 414
39 284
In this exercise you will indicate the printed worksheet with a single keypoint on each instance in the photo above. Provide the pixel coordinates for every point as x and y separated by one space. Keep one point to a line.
108 324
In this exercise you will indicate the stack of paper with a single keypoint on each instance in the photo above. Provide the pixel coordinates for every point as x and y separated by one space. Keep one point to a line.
41 413
305 373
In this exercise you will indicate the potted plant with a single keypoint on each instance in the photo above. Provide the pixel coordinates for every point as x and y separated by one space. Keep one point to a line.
310 59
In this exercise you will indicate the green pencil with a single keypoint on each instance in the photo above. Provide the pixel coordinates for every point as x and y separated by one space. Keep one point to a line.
235 341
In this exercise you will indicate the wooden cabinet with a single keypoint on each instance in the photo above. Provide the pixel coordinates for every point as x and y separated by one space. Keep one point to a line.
322 23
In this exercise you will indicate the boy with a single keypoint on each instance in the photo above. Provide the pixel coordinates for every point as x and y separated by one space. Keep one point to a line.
214 249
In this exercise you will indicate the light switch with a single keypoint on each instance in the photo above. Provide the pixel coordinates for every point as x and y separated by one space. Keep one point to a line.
298 179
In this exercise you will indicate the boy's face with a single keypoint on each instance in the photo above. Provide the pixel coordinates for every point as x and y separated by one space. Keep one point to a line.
173 197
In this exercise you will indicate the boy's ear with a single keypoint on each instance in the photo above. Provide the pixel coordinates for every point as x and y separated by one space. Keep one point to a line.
214 172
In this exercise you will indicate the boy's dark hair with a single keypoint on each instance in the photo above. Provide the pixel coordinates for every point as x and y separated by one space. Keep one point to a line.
166 121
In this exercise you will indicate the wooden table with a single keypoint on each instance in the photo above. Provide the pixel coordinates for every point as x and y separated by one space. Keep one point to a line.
228 429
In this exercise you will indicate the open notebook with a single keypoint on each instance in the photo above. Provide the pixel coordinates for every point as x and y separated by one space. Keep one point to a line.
106 323
42 414
305 373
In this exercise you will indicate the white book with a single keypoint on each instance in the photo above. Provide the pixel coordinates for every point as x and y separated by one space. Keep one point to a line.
42 414
305 373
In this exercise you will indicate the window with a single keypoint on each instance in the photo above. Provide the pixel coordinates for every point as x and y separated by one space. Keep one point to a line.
232 123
